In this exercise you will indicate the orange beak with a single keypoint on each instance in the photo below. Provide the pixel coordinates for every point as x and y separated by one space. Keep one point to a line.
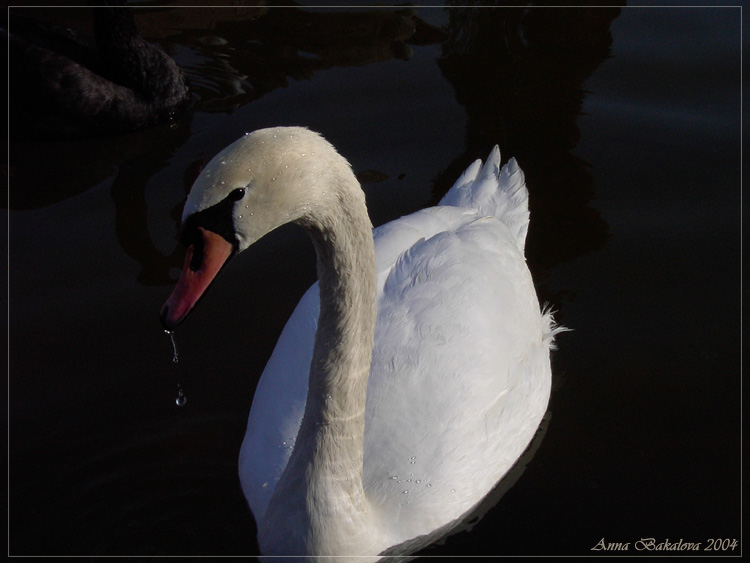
203 262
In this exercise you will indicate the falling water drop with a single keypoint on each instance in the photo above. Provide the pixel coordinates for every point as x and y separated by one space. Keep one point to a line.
181 398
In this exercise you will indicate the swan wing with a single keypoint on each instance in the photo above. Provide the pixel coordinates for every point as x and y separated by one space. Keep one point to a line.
459 378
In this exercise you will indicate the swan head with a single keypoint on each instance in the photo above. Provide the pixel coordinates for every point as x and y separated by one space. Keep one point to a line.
261 181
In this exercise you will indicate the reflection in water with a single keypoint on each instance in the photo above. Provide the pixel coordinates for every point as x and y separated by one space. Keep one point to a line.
131 210
533 64
236 60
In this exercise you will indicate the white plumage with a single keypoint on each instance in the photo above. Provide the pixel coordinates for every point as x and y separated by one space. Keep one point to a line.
460 372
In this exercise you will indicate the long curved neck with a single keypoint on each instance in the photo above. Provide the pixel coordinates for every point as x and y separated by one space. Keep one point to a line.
346 323
334 414
323 478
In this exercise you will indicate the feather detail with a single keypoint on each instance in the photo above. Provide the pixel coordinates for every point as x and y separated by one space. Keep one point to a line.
496 191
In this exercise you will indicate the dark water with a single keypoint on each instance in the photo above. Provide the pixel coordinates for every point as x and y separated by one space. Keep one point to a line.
627 124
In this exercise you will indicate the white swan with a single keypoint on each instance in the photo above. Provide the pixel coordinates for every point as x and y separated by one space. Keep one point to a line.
429 371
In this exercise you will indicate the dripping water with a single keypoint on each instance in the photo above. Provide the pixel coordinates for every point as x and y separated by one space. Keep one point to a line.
175 357
181 398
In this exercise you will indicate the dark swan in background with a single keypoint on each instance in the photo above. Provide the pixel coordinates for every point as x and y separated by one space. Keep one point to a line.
63 84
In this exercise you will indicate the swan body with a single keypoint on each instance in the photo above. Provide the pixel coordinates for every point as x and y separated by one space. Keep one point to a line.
409 379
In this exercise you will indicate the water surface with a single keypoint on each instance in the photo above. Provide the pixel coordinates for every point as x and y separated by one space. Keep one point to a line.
627 124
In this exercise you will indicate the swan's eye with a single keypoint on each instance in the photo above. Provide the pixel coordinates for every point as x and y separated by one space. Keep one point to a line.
236 195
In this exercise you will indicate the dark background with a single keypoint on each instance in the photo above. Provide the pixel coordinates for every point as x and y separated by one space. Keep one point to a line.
627 123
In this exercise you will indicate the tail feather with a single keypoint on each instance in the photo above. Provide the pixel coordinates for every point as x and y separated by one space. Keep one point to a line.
496 191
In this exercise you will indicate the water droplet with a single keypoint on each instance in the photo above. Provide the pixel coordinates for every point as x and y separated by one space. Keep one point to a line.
273 179
239 216
393 478
429 484
181 398
412 462
175 357
413 457
303 154
453 490
406 492
418 481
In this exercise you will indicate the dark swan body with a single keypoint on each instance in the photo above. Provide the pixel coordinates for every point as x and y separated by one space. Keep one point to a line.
65 85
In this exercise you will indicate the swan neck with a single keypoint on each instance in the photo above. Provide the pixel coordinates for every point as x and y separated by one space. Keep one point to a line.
346 323
322 482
